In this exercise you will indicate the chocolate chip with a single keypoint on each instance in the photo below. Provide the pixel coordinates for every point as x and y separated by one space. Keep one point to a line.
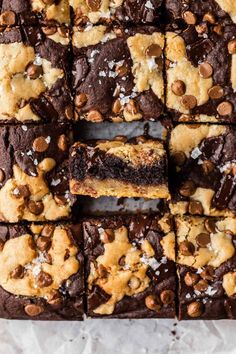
94 5
69 112
35 208
62 142
178 88
60 199
134 283
2 243
179 158
40 144
48 2
80 100
54 298
43 243
205 70
18 272
108 236
132 107
33 310
191 279
102 271
210 225
153 303
201 286
116 106
216 92
203 239
154 50
189 101
63 32
34 71
225 108
207 273
7 18
187 189
207 166
48 230
195 208
94 116
122 261
209 17
186 248
49 30
48 258
21 192
2 175
43 280
232 46
195 309
189 17
167 297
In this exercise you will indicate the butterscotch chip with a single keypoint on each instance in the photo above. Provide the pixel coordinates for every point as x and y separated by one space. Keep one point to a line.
205 70
108 236
2 243
63 32
178 87
207 273
208 166
18 272
48 2
60 199
69 112
210 225
116 107
186 248
191 279
54 298
43 243
187 189
102 271
49 30
48 230
7 18
201 28
194 309
203 239
167 297
153 303
225 108
134 283
34 71
154 50
179 158
62 142
209 17
2 175
122 70
43 280
189 17
35 208
201 286
22 192
94 5
40 144
80 100
132 107
195 208
218 29
94 116
232 46
189 101
33 310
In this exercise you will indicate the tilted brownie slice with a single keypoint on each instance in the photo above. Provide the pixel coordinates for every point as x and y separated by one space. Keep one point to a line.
41 272
130 267
34 173
33 77
119 168
118 73
201 80
202 179
201 13
34 12
206 267
124 11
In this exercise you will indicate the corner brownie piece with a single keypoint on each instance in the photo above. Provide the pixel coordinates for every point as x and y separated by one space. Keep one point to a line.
128 11
201 80
202 179
119 168
34 12
118 73
206 260
41 272
130 271
34 73
34 173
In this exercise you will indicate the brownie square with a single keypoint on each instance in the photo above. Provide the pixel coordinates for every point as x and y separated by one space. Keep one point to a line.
44 278
201 80
34 173
202 177
119 168
34 74
206 267
124 11
130 269
118 73
34 12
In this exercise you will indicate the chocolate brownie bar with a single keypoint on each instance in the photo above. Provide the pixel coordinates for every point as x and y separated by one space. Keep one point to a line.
34 173
34 73
34 12
41 272
206 267
119 168
202 179
130 267
124 11
201 80
118 73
